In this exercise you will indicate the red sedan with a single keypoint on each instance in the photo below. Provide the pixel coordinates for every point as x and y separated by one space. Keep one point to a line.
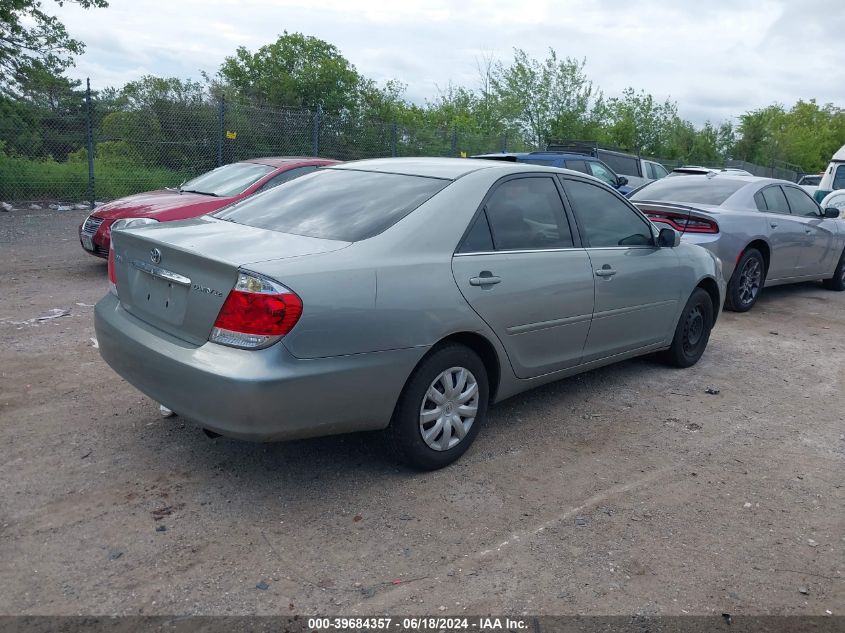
204 194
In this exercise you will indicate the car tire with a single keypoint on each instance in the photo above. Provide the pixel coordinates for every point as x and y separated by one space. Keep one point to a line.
837 282
692 332
747 281
413 433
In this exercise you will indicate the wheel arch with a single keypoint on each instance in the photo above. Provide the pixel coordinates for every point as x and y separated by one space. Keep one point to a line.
764 248
709 285
485 350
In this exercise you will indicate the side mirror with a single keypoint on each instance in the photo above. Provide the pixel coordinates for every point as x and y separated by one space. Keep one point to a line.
621 180
668 238
831 212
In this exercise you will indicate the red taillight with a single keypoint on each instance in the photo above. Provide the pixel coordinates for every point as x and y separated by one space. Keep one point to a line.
683 223
257 313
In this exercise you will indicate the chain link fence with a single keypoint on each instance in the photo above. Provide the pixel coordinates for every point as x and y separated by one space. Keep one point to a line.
45 158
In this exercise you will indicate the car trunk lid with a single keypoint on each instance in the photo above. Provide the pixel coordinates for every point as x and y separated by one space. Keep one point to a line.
176 276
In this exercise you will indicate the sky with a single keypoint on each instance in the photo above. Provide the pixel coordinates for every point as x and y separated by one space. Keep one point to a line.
717 59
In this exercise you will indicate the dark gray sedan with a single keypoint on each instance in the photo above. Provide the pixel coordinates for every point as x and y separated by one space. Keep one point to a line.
766 232
397 294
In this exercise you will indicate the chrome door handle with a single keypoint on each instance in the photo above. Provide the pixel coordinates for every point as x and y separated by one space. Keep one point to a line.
484 280
605 272
774 225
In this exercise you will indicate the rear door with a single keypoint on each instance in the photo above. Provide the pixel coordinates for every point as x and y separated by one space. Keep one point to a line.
637 285
818 255
521 268
786 233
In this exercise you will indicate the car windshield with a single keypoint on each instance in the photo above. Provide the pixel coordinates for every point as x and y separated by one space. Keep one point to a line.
811 180
335 204
696 189
228 180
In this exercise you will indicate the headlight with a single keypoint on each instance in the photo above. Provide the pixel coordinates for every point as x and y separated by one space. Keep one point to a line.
129 223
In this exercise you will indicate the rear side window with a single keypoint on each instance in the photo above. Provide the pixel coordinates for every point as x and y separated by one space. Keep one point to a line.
539 161
775 200
839 178
478 239
760 201
800 203
290 174
628 165
693 189
527 213
605 220
335 204
578 165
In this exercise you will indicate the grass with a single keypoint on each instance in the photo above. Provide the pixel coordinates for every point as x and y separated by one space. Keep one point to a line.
46 179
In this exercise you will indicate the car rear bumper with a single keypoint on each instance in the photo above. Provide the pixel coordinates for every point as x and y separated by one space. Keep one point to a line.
261 395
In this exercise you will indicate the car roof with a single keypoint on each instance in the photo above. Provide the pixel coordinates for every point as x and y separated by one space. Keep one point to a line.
447 168
282 161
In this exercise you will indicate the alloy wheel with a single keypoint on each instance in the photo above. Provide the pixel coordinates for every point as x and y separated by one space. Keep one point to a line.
449 408
749 281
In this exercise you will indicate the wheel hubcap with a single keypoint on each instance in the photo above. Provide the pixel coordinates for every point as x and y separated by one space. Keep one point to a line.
749 281
693 329
449 408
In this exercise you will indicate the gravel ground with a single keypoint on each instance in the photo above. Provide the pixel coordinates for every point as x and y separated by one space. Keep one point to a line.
625 490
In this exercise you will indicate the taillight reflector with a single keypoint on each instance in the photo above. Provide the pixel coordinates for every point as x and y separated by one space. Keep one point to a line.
112 274
257 313
683 223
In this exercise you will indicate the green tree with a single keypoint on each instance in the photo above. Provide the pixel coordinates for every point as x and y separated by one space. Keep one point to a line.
32 40
542 98
296 71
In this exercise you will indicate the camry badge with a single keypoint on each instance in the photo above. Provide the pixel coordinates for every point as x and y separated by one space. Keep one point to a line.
155 256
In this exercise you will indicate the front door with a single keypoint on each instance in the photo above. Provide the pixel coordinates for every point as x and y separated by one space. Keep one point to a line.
521 271
818 255
637 288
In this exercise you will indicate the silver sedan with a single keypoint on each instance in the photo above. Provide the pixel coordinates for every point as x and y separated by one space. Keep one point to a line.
766 232
397 294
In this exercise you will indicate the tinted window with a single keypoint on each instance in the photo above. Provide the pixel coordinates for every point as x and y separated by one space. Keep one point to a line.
335 204
697 189
800 203
605 220
527 213
602 173
578 165
628 165
839 178
478 239
290 174
228 180
775 200
760 201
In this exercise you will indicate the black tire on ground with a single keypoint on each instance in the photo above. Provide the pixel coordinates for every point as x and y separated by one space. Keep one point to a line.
837 282
692 332
405 432
747 281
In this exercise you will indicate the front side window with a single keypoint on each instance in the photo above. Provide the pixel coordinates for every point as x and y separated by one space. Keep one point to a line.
775 200
657 171
602 173
527 213
228 180
578 165
800 203
605 220
335 204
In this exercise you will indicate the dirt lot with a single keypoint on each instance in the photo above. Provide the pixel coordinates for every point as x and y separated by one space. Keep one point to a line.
625 490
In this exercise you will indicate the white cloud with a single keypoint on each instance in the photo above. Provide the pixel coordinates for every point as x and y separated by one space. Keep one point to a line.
717 60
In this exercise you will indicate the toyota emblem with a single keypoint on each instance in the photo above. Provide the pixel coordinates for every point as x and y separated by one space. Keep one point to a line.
155 256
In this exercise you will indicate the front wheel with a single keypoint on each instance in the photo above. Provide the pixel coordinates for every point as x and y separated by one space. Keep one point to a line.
441 408
692 332
746 282
837 282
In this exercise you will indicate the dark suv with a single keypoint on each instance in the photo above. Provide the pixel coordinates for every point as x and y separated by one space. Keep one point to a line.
577 162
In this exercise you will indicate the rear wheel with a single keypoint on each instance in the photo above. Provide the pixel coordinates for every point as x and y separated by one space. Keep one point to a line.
837 282
692 332
746 282
441 408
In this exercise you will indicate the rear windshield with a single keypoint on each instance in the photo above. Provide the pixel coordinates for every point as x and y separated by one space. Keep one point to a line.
335 204
697 189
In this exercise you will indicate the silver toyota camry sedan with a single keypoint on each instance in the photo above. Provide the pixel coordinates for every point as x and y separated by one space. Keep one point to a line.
397 294
766 232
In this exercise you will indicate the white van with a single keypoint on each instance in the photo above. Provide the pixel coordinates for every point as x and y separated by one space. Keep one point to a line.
834 175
